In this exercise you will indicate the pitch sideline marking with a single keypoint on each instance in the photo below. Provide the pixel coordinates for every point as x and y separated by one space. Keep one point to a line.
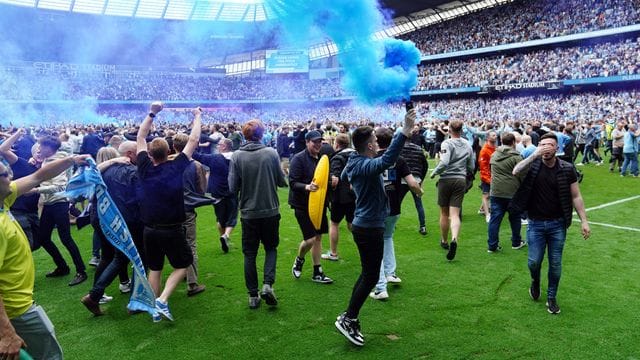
610 225
611 204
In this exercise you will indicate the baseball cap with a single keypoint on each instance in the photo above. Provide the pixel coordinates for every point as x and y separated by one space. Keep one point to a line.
313 135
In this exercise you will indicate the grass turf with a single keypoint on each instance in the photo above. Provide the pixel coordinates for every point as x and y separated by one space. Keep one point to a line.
474 307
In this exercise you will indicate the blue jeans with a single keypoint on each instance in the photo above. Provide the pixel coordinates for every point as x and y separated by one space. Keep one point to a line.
630 162
549 234
419 208
388 264
499 206
590 154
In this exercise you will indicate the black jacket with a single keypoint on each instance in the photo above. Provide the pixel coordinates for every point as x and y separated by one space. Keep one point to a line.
521 198
301 169
416 160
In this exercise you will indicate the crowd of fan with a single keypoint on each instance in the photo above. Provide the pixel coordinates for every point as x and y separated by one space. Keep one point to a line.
607 59
159 85
581 108
524 21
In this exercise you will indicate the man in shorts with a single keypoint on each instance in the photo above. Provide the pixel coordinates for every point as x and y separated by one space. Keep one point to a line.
456 160
301 184
162 207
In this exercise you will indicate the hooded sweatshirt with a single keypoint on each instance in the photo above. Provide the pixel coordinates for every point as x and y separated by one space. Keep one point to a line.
255 172
503 183
365 176
456 159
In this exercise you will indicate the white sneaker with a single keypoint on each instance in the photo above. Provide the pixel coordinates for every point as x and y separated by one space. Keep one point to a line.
125 288
105 299
382 295
393 279
524 222
329 256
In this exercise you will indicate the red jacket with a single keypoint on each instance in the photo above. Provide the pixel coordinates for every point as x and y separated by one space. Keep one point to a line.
484 162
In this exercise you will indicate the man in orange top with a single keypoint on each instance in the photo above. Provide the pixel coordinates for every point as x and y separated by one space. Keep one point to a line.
485 170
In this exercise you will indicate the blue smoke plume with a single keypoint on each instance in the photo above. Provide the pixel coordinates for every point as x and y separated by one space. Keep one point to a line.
374 71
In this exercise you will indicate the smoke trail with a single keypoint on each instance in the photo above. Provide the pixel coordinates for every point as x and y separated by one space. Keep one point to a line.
35 35
375 71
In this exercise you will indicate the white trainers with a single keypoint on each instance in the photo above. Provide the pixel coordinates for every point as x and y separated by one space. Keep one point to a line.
393 279
329 256
382 295
524 222
105 299
125 287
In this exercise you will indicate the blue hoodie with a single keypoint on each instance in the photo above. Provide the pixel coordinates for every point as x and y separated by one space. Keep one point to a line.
365 176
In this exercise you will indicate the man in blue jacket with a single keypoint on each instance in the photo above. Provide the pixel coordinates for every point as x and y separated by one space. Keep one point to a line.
364 173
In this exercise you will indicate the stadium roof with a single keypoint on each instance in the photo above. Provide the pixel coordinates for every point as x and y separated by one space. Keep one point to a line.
208 10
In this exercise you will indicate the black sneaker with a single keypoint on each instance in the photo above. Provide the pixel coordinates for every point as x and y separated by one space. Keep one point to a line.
296 270
453 246
534 291
79 278
552 306
58 272
423 230
499 248
322 278
350 328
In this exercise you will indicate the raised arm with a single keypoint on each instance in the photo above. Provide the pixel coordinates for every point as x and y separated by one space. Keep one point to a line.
48 171
194 137
145 127
524 164
5 147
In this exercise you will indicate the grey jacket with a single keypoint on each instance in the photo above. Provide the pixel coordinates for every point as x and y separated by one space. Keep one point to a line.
255 173
456 159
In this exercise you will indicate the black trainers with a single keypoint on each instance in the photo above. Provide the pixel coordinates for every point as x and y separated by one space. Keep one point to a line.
296 270
499 248
453 246
534 291
79 278
423 230
321 278
552 306
350 328
444 244
58 272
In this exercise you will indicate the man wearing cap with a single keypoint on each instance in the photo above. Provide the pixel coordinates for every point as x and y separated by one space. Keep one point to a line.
301 170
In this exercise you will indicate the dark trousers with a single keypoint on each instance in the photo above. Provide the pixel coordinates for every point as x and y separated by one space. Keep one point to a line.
57 215
30 224
254 232
112 263
370 244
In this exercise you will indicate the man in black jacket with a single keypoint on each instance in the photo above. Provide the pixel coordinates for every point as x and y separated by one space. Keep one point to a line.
343 199
301 171
549 210
414 156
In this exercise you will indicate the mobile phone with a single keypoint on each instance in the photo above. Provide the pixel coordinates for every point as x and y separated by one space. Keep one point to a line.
408 105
